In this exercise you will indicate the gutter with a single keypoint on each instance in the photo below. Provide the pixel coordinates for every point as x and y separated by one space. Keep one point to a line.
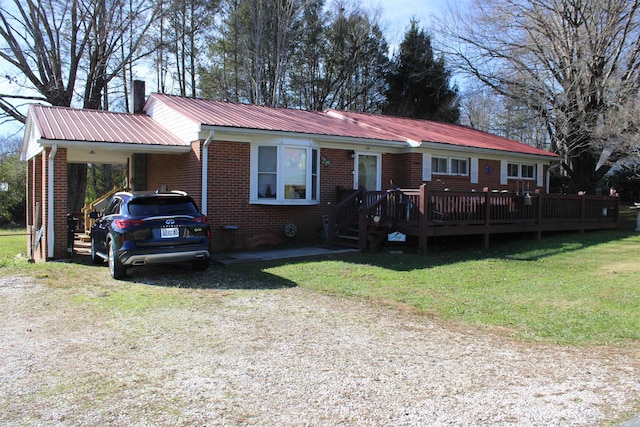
205 171
50 202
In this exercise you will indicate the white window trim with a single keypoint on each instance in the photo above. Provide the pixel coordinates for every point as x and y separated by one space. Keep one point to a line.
540 173
473 170
426 167
280 200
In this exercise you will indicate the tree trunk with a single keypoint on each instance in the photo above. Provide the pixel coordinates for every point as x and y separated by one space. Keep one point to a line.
76 186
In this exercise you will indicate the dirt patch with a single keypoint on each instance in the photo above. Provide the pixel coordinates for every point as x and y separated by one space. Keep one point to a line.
284 356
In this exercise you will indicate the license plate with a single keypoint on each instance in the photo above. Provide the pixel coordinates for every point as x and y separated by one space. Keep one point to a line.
169 233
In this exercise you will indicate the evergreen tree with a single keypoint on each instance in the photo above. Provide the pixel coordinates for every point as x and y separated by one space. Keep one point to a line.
418 83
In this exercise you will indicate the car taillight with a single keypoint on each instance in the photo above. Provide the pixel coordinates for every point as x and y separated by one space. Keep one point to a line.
203 219
126 223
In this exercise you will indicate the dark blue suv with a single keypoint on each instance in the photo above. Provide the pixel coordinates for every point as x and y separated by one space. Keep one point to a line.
138 228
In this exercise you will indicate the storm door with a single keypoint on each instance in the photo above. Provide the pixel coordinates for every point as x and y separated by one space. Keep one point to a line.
367 171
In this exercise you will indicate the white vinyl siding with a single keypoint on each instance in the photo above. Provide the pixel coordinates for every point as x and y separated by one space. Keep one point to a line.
473 170
426 167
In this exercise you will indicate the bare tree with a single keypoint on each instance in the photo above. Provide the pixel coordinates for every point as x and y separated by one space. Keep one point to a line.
573 63
50 47
44 43
181 33
340 60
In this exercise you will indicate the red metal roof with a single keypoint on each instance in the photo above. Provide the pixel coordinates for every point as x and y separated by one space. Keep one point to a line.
441 133
257 117
59 123
69 124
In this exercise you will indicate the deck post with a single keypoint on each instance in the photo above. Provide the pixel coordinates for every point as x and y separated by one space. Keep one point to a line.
332 224
487 216
541 201
423 218
617 197
583 202
363 224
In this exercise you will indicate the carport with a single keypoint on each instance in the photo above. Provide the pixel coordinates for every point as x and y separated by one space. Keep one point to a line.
55 137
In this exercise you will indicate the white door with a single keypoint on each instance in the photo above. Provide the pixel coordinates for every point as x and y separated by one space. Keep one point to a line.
367 172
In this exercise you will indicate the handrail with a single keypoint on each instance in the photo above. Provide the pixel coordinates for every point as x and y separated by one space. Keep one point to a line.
91 206
368 212
343 212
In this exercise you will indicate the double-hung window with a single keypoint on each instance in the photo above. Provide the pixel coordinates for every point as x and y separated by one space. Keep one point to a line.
285 173
449 166
439 165
459 167
521 171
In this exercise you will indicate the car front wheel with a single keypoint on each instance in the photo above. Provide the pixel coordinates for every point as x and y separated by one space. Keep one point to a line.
117 270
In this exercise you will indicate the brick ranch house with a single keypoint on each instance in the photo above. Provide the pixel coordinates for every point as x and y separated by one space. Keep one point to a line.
254 169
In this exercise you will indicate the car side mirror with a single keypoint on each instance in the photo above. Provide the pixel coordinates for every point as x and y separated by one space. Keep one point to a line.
94 215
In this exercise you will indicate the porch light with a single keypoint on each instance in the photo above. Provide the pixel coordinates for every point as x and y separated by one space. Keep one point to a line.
352 154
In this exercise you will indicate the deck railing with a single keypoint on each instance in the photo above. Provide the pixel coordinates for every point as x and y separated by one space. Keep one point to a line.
424 213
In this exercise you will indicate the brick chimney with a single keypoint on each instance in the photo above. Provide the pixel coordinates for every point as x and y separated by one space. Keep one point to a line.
138 96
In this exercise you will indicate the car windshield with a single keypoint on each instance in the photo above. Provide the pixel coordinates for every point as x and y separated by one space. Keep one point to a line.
161 206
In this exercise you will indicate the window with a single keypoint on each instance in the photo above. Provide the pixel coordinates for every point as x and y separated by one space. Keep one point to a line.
523 171
439 165
528 171
267 172
285 174
513 170
113 208
449 166
459 167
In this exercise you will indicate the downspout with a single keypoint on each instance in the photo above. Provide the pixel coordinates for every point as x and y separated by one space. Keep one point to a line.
50 213
205 171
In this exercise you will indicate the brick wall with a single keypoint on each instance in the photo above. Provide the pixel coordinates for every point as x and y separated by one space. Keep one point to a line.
34 205
60 204
176 172
237 224
44 207
39 177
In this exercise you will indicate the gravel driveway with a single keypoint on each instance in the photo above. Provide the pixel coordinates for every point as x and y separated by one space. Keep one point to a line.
288 357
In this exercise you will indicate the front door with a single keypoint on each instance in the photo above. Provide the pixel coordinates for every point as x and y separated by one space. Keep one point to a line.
367 172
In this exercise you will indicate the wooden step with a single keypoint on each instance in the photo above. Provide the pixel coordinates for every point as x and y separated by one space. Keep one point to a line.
347 237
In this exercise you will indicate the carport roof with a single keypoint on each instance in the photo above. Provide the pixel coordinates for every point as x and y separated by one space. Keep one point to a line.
69 124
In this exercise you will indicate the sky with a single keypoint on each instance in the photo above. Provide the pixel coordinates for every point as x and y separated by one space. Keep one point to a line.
395 16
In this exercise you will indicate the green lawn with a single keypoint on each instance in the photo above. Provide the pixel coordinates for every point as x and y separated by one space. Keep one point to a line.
13 243
571 288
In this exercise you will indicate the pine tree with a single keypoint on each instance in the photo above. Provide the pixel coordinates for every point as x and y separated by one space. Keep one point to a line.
418 83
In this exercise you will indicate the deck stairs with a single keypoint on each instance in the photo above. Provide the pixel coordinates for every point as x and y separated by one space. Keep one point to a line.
354 221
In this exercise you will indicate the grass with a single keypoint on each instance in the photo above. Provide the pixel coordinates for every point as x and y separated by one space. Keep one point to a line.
570 289
13 243
576 289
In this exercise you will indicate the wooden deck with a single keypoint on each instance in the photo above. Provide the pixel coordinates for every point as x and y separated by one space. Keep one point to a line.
366 217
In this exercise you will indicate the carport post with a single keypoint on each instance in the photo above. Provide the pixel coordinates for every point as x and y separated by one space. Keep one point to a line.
205 171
